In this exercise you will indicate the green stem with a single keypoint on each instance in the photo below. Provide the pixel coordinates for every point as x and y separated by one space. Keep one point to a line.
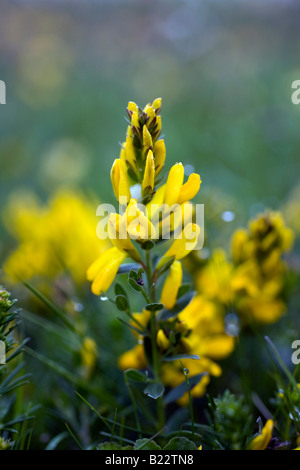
153 332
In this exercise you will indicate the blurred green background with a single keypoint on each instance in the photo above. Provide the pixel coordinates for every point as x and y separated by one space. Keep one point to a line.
223 69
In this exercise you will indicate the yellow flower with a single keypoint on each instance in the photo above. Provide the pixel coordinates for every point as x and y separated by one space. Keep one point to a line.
162 341
119 180
52 236
176 192
133 359
190 188
117 232
89 354
182 245
147 141
261 441
172 285
149 174
159 155
104 269
174 184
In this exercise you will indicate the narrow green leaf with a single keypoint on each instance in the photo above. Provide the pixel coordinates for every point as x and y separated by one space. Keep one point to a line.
60 314
179 357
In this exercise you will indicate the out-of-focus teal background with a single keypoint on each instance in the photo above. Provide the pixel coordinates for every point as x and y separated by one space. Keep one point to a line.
223 69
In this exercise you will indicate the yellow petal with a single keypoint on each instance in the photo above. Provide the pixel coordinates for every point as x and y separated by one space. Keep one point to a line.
135 122
174 184
157 104
159 155
130 155
132 107
171 285
190 188
108 272
147 141
161 340
98 264
181 247
261 441
149 174
119 180
117 232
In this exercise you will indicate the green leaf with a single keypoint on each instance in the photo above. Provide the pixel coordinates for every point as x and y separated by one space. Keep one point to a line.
165 267
119 290
148 245
122 302
51 306
134 284
178 357
154 307
133 275
136 375
180 443
154 390
56 441
178 391
109 446
181 303
146 444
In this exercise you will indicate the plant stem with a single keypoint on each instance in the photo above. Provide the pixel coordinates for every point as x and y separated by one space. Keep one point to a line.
155 355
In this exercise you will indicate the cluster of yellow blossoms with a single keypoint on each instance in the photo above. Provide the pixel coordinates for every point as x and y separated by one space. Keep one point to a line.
52 237
134 180
197 330
252 282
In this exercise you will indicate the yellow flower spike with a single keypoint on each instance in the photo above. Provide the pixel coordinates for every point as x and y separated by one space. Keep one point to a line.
157 105
181 247
159 155
149 174
190 188
117 232
162 341
171 285
108 270
174 184
147 141
119 180
261 441
132 106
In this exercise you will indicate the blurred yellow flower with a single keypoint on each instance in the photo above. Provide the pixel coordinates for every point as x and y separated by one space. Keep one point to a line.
54 238
89 355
